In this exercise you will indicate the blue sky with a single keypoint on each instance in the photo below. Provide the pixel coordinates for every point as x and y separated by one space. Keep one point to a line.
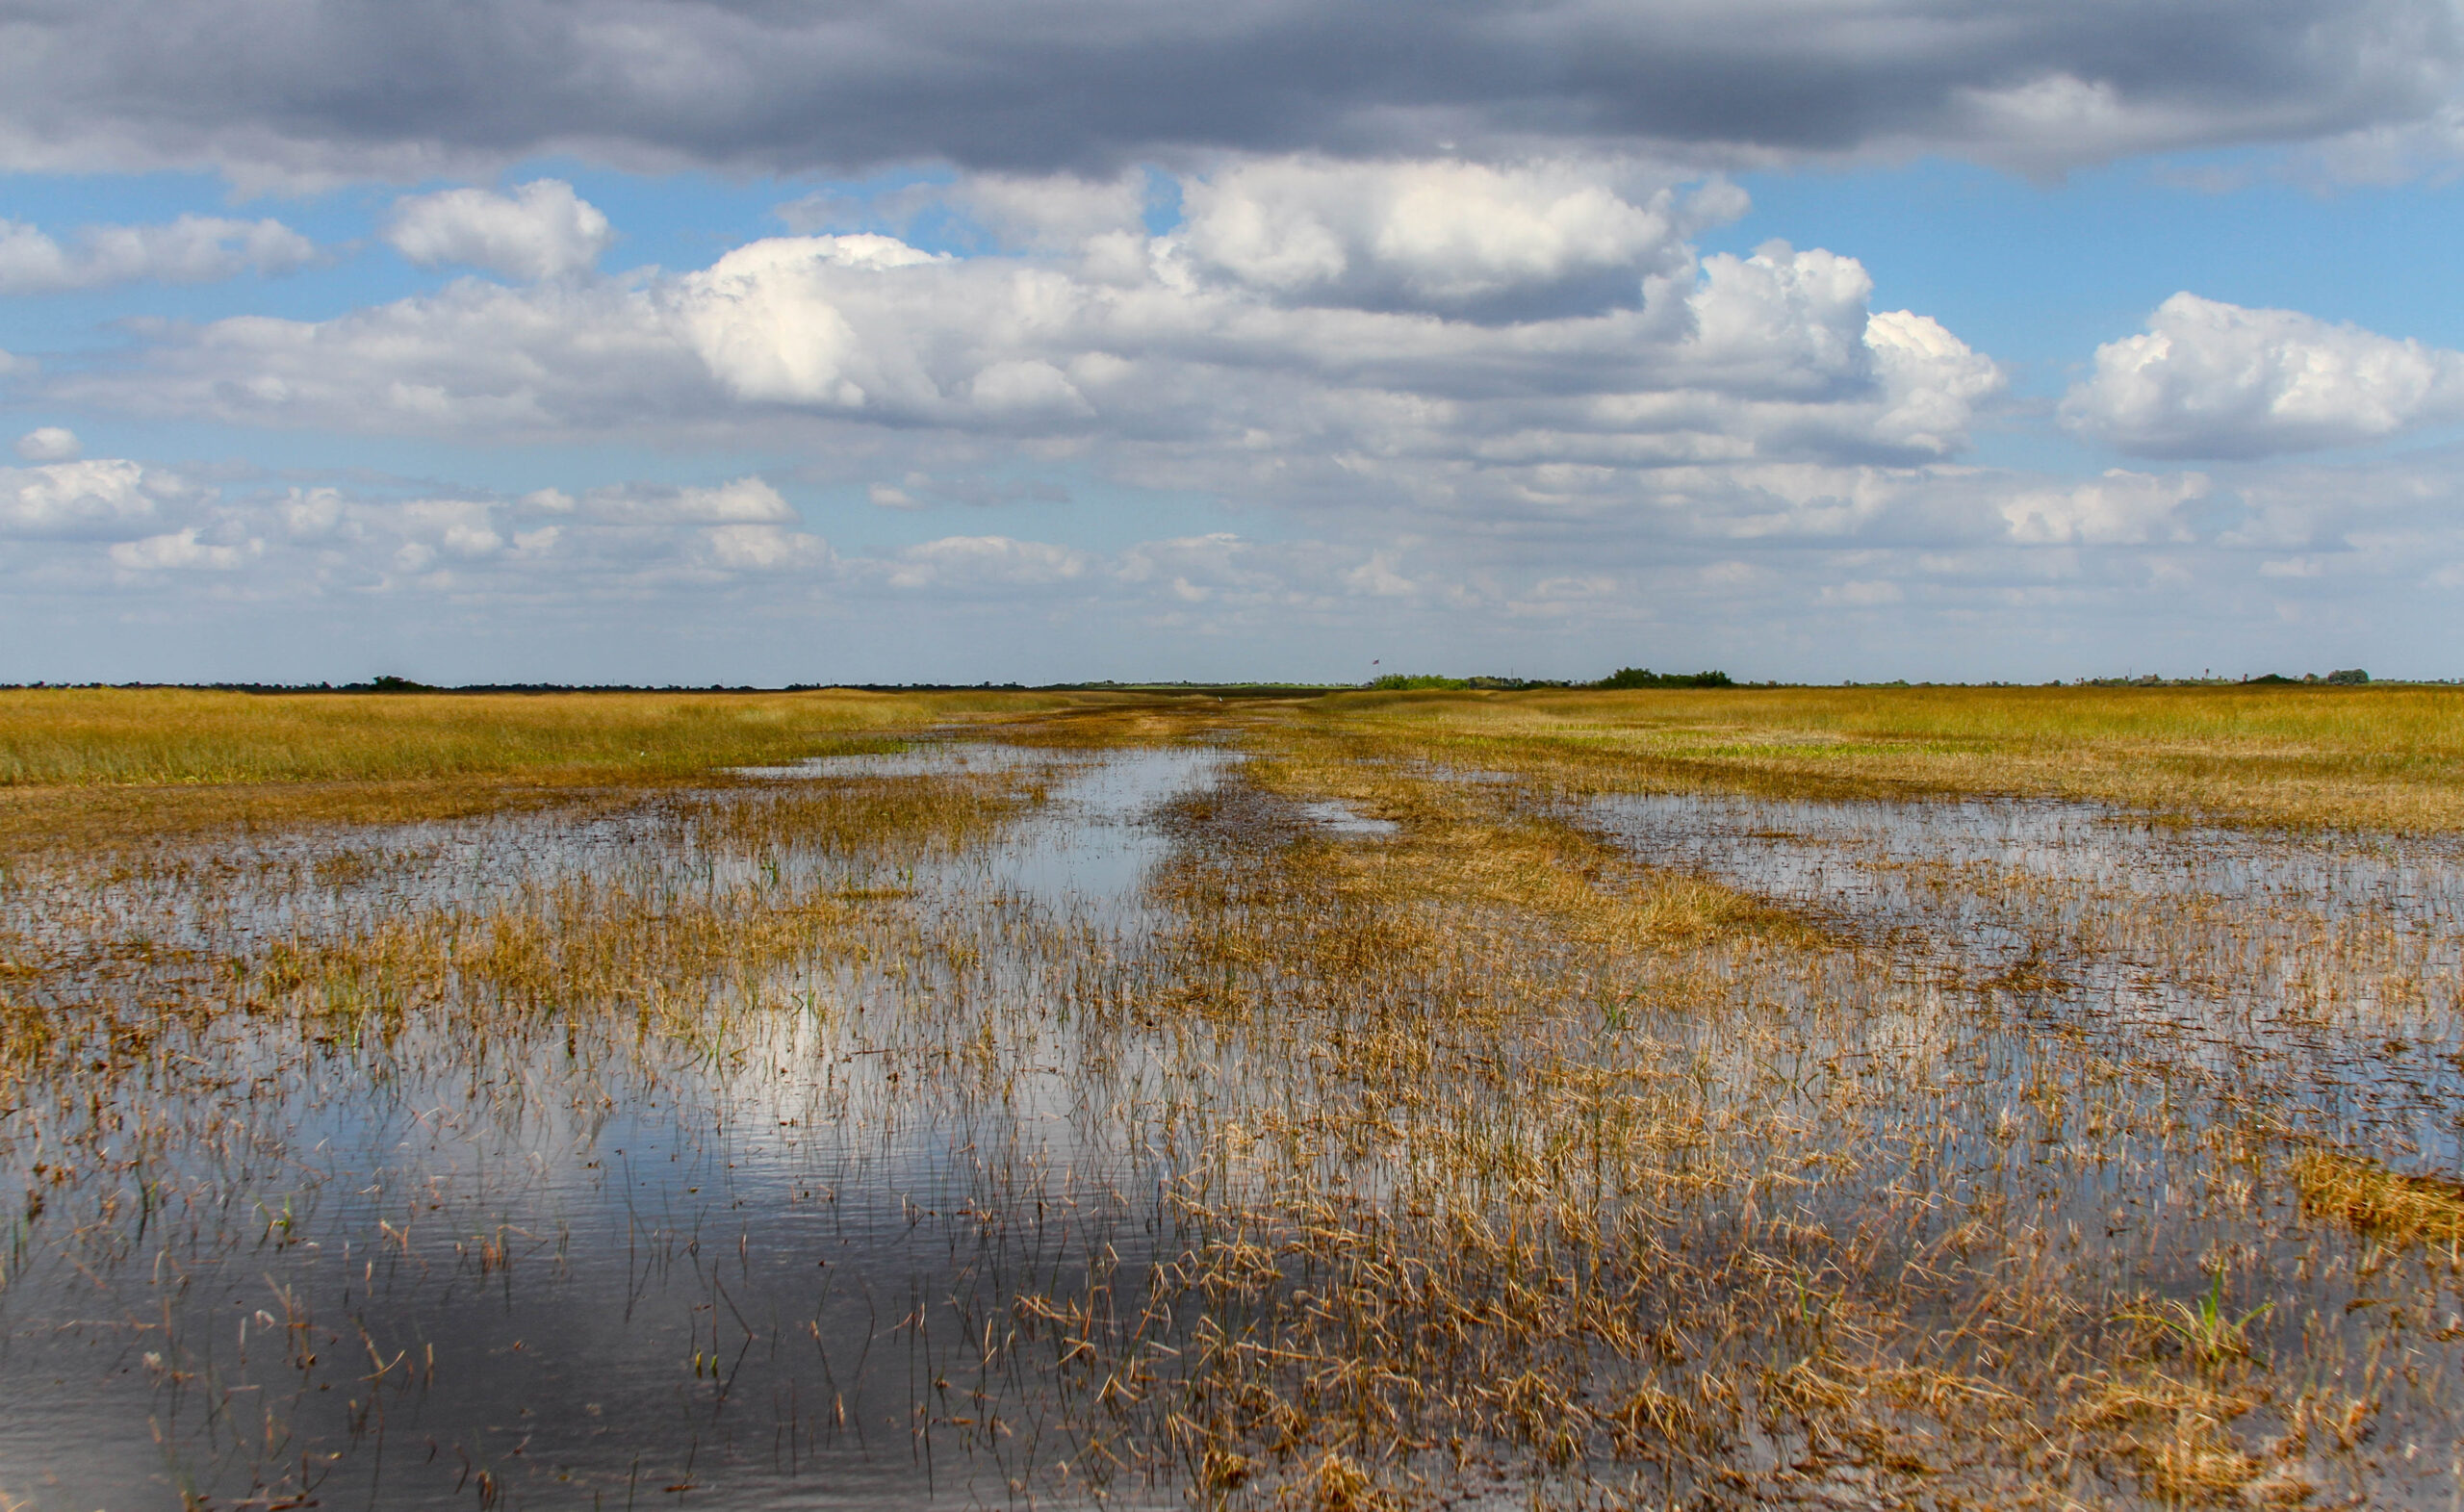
2020 342
2027 269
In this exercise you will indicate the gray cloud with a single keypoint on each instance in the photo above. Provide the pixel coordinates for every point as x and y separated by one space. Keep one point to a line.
347 87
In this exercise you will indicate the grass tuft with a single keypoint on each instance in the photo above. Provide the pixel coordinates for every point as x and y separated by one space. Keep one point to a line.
2388 1205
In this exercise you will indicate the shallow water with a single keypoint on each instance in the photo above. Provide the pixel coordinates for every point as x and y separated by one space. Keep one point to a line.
540 1273
2205 945
2190 990
1336 817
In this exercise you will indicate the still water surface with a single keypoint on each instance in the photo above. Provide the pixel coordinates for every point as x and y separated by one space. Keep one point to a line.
533 1277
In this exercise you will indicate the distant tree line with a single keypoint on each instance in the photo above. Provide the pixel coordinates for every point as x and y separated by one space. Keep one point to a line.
2348 678
1621 678
1646 678
1391 682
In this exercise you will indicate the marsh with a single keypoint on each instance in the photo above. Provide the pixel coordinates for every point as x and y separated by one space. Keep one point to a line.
1666 1097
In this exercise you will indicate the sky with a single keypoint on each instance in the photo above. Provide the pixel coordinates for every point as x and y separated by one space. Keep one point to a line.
764 341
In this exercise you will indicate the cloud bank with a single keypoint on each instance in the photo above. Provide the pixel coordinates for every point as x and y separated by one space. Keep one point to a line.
1747 565
255 85
1458 336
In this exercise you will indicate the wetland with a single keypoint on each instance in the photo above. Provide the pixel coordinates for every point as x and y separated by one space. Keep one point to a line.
1872 1098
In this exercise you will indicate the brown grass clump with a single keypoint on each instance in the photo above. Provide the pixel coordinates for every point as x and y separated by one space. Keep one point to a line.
2176 1435
2388 1205
1340 1485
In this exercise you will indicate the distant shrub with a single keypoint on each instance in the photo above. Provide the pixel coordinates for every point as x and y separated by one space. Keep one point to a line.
2349 677
1645 678
1409 682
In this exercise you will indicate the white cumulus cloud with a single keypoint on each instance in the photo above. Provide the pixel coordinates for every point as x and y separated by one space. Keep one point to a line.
1434 234
2209 380
69 500
960 562
766 548
180 551
2120 508
769 321
540 231
1725 356
473 360
49 444
193 249
626 539
1934 380
744 502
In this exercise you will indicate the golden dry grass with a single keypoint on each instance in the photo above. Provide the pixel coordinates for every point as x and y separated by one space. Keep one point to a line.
110 766
2389 758
2394 1206
58 736
2372 757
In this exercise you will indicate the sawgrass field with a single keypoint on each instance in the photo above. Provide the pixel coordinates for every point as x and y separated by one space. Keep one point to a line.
1720 1097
